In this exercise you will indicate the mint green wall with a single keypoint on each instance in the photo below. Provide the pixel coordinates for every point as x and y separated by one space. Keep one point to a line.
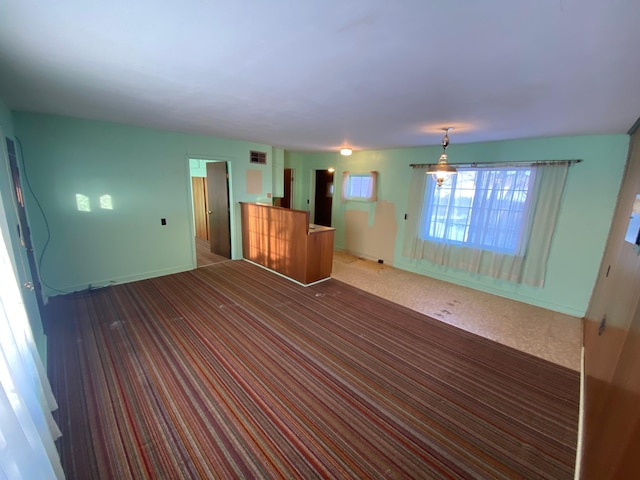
146 173
197 167
302 178
6 119
583 225
9 233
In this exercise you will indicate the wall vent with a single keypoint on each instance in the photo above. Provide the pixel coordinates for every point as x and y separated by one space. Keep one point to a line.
258 157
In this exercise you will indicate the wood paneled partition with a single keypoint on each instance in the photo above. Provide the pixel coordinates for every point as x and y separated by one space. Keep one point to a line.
283 240
612 348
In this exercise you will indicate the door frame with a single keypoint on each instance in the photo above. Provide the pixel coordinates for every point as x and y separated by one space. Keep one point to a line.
27 275
233 221
31 270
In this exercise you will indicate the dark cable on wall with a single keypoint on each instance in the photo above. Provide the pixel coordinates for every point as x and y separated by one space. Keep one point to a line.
44 217
48 229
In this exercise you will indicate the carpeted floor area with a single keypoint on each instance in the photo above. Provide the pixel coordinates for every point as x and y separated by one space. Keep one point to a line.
204 256
230 371
546 334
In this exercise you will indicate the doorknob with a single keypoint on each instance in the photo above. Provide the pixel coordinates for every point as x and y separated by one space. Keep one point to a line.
209 212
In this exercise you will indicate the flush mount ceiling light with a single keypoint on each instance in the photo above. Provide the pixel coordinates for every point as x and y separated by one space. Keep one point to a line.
442 171
345 152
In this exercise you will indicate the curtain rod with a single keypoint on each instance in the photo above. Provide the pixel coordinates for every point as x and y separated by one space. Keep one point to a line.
501 164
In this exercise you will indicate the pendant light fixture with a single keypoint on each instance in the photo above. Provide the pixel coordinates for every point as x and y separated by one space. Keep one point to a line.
442 171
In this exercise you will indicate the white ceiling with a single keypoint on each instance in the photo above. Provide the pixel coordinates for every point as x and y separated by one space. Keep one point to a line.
318 74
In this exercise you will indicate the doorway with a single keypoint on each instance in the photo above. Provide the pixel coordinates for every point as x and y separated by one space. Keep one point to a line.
211 211
218 213
323 198
287 198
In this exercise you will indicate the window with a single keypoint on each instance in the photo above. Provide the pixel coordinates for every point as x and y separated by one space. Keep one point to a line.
359 186
492 220
480 208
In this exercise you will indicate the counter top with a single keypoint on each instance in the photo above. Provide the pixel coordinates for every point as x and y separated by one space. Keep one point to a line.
319 228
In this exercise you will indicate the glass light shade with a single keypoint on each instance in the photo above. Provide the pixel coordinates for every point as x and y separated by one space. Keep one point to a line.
442 171
345 152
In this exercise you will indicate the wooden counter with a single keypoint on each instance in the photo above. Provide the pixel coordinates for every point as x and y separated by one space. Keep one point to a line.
282 240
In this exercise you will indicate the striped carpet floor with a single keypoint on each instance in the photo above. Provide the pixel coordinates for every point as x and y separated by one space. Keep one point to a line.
230 371
204 256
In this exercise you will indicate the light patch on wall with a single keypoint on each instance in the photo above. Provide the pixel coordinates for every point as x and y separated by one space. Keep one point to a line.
374 240
83 203
106 202
254 181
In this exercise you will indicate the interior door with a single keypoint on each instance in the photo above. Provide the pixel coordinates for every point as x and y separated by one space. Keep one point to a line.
23 226
323 198
218 200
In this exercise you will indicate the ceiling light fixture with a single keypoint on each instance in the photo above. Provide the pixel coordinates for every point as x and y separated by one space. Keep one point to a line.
442 171
345 152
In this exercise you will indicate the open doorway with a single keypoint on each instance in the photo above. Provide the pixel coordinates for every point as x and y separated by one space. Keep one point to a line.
211 211
287 199
323 197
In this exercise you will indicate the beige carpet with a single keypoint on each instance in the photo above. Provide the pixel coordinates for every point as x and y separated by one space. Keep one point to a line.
546 334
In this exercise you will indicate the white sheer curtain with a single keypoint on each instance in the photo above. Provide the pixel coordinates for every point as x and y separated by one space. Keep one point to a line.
27 428
526 264
344 191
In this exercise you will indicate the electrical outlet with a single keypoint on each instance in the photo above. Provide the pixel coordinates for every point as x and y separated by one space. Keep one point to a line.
163 221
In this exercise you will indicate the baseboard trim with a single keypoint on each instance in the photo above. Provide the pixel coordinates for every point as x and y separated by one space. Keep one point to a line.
94 284
580 420
518 297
